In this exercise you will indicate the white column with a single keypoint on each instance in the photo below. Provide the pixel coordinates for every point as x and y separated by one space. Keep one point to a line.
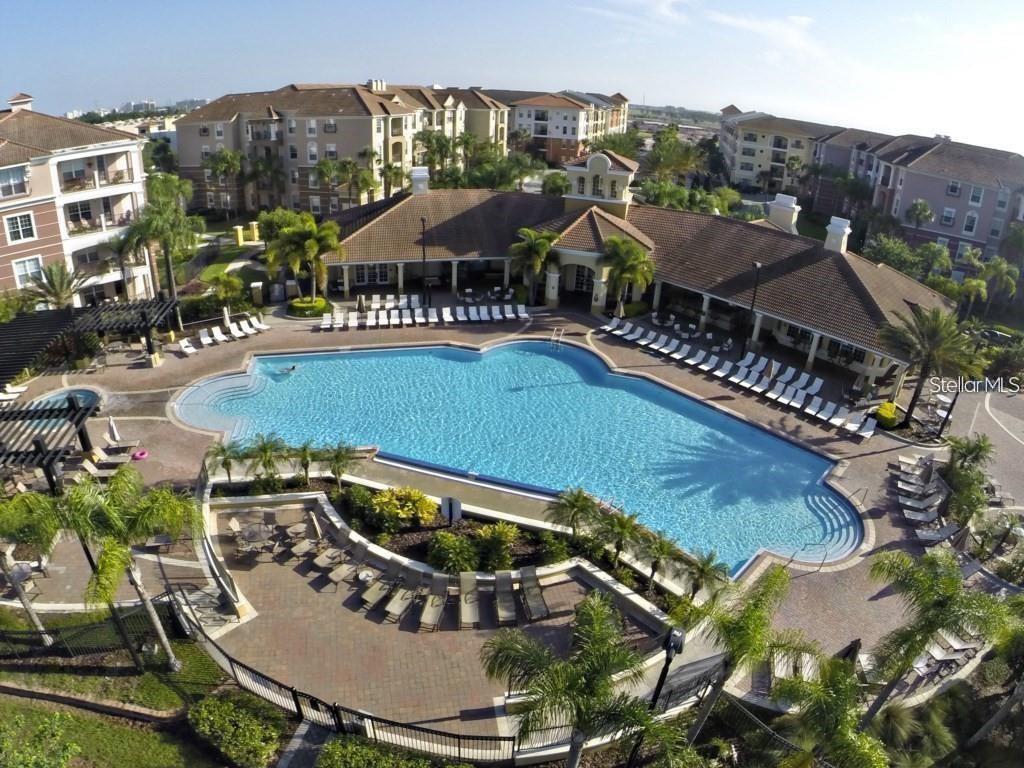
344 280
551 288
508 272
705 307
455 277
401 277
757 327
599 297
656 302
813 351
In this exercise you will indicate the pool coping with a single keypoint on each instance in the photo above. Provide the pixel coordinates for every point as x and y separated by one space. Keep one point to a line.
751 568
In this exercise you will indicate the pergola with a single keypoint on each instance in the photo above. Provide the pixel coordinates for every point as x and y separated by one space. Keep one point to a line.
127 318
24 337
42 436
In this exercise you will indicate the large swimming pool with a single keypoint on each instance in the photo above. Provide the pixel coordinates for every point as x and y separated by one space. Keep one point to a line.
529 413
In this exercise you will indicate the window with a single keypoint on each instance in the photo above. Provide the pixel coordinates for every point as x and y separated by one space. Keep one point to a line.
293 152
210 200
1002 198
943 241
225 200
72 169
334 205
207 174
380 125
595 186
218 130
26 270
204 130
12 182
330 125
311 127
613 188
746 166
205 152
962 248
295 175
331 153
311 152
574 130
977 193
20 227
314 205
79 212
948 217
314 181
291 125
581 186
970 223
896 206
296 203
750 137
995 228
87 257
953 189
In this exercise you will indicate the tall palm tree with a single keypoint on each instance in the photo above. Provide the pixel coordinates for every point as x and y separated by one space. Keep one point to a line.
304 456
306 243
705 571
936 599
533 254
226 163
933 258
740 624
267 172
466 144
126 248
19 525
795 168
370 156
622 530
1013 244
347 171
574 508
930 341
339 459
972 452
919 212
1001 278
392 176
578 692
264 454
630 265
365 181
971 290
225 455
55 286
663 551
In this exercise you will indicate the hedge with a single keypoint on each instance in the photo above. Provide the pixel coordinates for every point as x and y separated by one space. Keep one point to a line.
887 415
308 307
244 729
356 753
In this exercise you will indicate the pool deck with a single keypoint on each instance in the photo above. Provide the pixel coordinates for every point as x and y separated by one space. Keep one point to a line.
833 605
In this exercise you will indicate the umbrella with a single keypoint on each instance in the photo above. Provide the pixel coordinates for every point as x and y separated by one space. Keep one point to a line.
361 303
227 316
112 429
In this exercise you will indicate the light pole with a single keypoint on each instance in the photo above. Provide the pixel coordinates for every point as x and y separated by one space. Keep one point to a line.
753 301
423 269
674 642
949 411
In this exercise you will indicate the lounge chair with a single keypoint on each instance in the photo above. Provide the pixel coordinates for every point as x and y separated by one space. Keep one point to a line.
826 413
777 391
389 301
446 315
504 598
496 315
247 329
432 318
375 301
339 320
383 318
187 348
855 422
723 370
403 597
403 301
840 417
816 385
956 642
532 595
371 319
204 337
697 357
610 326
406 317
668 349
648 339
939 653
219 336
929 516
934 536
96 472
469 601
709 364
636 334
353 320
798 399
418 317
521 312
236 332
485 314
910 487
395 318
762 386
414 300
381 587
110 458
435 601
929 501
11 389
787 375
867 430
801 382
740 375
750 380
474 314
814 407
351 566
120 445
747 360
327 559
787 397
683 352
460 313
510 312
623 329
761 364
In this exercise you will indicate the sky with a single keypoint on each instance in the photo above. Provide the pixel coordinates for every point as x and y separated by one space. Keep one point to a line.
915 66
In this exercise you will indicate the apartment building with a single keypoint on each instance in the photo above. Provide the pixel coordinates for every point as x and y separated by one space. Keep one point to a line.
846 151
294 127
66 189
561 124
759 149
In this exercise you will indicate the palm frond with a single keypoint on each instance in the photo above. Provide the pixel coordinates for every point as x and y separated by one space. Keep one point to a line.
111 564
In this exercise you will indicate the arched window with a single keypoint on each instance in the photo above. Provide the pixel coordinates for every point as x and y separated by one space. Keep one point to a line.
581 186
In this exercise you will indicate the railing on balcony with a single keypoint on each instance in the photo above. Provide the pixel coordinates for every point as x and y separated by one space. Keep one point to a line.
101 223
114 176
95 179
77 183
780 144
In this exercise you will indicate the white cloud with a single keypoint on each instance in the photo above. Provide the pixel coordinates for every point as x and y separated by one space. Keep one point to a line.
648 15
792 35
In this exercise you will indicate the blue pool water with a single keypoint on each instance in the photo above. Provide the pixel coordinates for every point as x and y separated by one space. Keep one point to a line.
85 397
529 413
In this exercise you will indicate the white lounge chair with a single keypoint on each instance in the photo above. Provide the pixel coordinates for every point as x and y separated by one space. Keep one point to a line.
787 375
750 380
371 319
406 317
258 323
11 389
510 312
816 385
956 642
826 413
840 417
432 316
247 329
723 370
384 318
204 337
747 360
760 365
814 407
403 301
636 334
389 301
867 430
668 349
395 318
375 301
611 325
414 300
187 348
740 375
855 421
418 317
446 315
762 386
934 536
485 314
910 502
798 399
521 312
353 320
235 331
496 313
339 320
654 346
219 336
683 352
474 314
697 357
623 329
801 382
787 397
709 364
460 313
646 340
777 391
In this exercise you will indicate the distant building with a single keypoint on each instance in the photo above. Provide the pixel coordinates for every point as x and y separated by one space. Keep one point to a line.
187 105
66 189
160 127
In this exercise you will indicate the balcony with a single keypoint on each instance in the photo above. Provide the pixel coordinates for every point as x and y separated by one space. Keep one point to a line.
94 172
100 223
779 158
266 134
780 143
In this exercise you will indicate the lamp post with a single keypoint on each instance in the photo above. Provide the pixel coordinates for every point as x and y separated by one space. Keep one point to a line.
949 411
753 301
674 642
423 269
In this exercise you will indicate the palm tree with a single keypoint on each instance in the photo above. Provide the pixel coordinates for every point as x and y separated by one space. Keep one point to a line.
663 551
578 692
826 713
225 455
933 258
19 525
936 599
555 184
466 144
165 221
365 181
339 458
972 289
794 167
740 623
574 508
55 286
267 172
630 265
1013 243
970 452
392 176
264 453
227 163
370 156
622 530
919 212
306 243
533 254
705 570
929 340
126 247
304 456
1001 278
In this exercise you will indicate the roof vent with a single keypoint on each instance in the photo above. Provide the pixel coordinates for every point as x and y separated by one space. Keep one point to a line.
837 231
420 176
782 212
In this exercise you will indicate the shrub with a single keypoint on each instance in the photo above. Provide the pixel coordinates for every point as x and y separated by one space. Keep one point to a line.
243 728
553 549
496 542
308 307
887 415
395 508
358 500
349 752
993 673
636 308
625 576
452 553
421 509
266 484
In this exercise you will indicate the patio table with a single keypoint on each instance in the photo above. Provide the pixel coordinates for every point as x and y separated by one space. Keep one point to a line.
256 533
365 576
944 399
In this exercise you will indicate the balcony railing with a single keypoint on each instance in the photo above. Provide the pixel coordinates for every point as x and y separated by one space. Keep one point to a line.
99 224
114 176
95 179
77 183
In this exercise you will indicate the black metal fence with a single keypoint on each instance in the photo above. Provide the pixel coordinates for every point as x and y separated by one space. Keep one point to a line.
490 750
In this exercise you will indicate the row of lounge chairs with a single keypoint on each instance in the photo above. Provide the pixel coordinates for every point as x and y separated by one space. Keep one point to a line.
397 318
402 301
11 393
236 332
921 494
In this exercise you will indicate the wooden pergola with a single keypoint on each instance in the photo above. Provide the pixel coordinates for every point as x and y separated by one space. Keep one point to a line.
136 317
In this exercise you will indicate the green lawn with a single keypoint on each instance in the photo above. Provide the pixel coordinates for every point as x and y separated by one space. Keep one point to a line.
107 742
811 227
227 254
113 679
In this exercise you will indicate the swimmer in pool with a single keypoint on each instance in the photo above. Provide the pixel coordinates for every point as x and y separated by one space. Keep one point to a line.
290 369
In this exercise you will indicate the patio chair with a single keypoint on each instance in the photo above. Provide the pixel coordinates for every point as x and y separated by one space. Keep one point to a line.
747 360
909 502
235 331
435 602
353 320
446 315
485 314
510 312
120 446
339 320
234 526
11 389
668 349
496 313
432 316
327 559
787 375
219 336
389 301
375 301
348 569
854 423
532 595
404 596
521 312
258 323
740 375
381 587
383 318
650 337
697 357
797 402
723 370
96 472
504 598
801 382
610 326
940 654
708 365
395 318
187 348
469 601
637 333
826 413
326 321
418 317
474 314
956 642
787 397
403 301
867 430
371 319
110 458
814 407
683 352
460 314
777 391
816 386
204 337
247 328
761 364
302 547
840 417
762 385
751 379
414 301
929 516
623 329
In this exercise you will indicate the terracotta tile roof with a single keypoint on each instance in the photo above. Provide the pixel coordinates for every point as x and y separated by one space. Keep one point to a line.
304 100
20 96
551 100
461 223
473 98
586 230
968 163
854 138
619 162
50 133
13 153
772 124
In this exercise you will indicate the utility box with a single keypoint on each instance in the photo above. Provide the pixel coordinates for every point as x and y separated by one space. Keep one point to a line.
256 291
